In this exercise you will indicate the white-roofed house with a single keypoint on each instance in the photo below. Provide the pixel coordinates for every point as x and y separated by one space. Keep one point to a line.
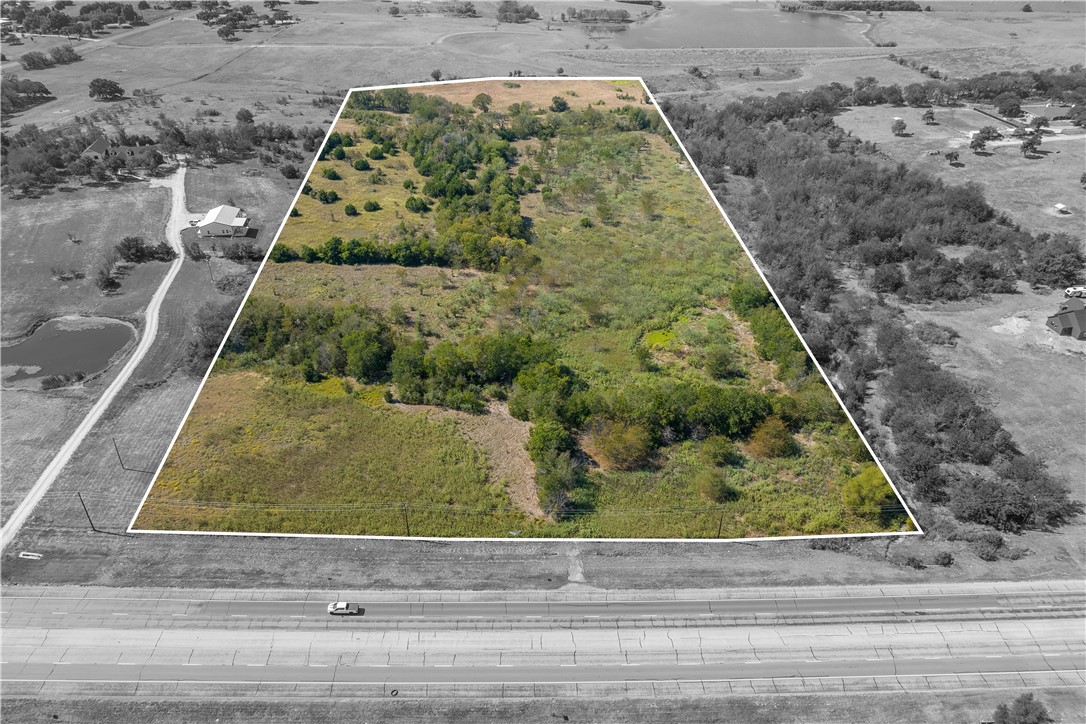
223 221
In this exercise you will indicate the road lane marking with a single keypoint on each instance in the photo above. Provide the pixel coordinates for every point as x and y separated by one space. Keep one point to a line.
179 614
297 616
119 614
324 665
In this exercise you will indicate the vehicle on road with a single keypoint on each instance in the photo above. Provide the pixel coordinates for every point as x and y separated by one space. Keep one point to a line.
1079 291
342 608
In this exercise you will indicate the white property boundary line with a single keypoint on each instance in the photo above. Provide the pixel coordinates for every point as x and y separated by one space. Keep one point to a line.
754 263
48 476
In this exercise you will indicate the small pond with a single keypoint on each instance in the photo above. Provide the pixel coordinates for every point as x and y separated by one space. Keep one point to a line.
66 345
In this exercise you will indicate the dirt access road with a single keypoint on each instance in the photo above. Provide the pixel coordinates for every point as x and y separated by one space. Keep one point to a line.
179 218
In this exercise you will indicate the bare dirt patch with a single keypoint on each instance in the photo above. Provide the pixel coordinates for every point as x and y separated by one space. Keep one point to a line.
540 92
504 439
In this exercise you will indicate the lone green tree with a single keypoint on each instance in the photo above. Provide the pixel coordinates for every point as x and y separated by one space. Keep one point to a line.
482 102
977 144
105 90
898 127
1030 144
929 117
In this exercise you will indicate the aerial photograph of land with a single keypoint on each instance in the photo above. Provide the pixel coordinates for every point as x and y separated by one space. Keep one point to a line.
571 292
529 324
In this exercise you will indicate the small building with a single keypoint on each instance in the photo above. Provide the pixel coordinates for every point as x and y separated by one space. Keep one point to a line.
99 150
1061 209
223 221
136 156
1070 319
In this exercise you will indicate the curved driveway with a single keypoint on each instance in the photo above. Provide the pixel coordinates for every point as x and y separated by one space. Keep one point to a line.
178 219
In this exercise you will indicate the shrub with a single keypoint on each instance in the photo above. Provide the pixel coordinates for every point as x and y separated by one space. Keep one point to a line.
621 445
715 486
548 436
290 171
416 204
371 205
350 210
376 153
748 294
944 558
330 173
1025 709
771 439
361 164
281 253
720 362
868 493
719 450
555 475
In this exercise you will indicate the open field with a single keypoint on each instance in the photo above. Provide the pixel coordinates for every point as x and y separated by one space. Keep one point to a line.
1023 188
449 302
37 240
595 233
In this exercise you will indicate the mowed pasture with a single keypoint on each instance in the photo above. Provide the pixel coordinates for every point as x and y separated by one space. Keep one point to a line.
36 241
1026 189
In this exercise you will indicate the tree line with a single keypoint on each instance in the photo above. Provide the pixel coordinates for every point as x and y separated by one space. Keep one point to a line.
886 222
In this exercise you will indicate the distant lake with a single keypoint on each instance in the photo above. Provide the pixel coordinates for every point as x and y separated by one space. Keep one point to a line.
736 25
66 345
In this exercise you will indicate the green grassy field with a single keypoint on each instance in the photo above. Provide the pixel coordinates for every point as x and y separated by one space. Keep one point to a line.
614 298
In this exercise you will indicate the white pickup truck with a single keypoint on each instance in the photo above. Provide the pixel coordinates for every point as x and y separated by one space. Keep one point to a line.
341 608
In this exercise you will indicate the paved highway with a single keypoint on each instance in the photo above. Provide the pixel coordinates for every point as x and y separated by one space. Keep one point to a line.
510 674
15 607
68 637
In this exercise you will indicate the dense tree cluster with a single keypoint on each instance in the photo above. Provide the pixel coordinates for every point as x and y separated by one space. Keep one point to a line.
876 5
50 19
510 11
136 250
891 220
595 15
60 55
19 93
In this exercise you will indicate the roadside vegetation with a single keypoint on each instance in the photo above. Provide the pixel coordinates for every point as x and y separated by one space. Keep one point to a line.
669 396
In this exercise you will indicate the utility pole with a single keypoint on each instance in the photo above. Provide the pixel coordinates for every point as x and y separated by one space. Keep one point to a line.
78 495
406 521
720 524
